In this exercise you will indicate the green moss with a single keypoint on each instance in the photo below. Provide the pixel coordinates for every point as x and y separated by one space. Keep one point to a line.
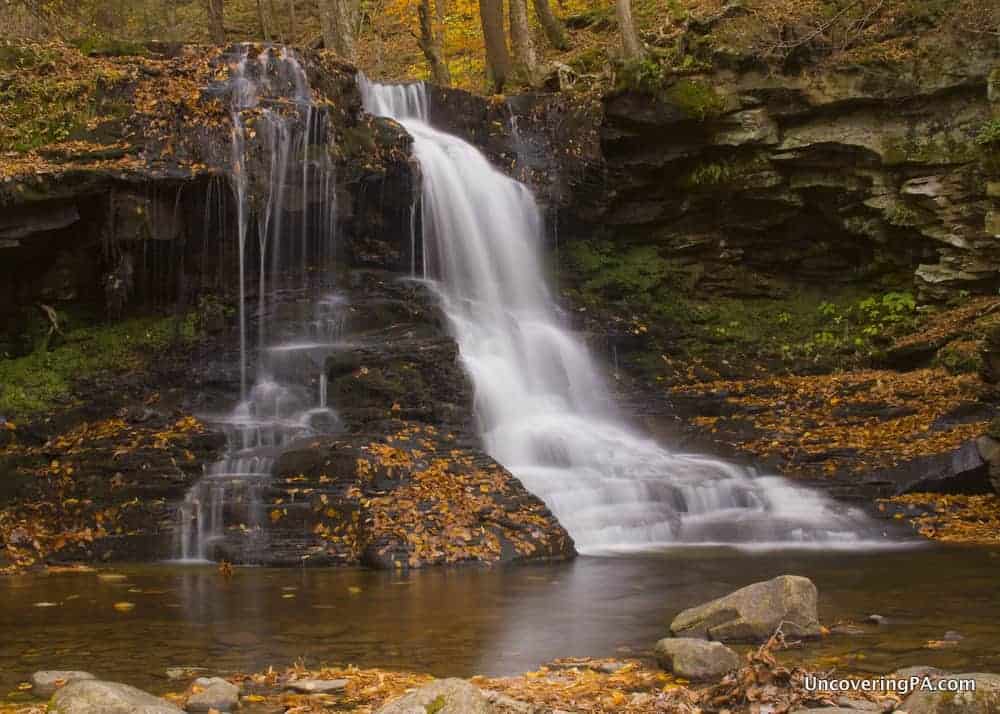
19 57
652 75
927 150
110 47
713 174
960 357
901 215
646 75
41 380
437 705
637 273
597 18
697 99
40 104
989 134
665 300
589 61
357 140
42 111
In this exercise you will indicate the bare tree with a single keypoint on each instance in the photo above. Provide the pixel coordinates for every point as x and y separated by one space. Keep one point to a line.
630 40
337 18
271 14
497 55
216 24
525 64
430 43
554 29
264 30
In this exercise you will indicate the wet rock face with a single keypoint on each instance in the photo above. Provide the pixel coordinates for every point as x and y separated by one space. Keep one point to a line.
70 220
103 490
403 482
549 141
803 178
400 361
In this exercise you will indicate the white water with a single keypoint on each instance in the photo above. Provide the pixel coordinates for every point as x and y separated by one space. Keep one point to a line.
279 179
543 407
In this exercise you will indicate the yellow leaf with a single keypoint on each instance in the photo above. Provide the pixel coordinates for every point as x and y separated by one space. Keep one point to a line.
124 606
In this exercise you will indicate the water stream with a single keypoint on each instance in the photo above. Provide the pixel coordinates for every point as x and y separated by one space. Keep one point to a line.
543 408
498 621
284 185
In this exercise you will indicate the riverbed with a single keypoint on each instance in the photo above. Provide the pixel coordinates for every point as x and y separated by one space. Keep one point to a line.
499 621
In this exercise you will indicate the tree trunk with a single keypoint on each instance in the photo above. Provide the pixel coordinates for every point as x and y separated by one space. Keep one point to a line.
263 23
216 24
291 20
441 7
497 55
430 43
271 14
630 40
337 21
523 48
554 30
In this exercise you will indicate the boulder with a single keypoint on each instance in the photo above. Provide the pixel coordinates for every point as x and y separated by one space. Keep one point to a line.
45 683
696 660
442 696
753 613
984 700
91 696
213 693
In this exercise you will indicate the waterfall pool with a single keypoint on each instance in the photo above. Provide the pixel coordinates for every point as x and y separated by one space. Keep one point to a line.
463 621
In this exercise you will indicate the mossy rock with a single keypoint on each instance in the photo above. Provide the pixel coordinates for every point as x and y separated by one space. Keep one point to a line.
696 98
960 357
44 379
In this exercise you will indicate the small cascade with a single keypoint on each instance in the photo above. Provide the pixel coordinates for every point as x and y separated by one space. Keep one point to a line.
543 407
284 182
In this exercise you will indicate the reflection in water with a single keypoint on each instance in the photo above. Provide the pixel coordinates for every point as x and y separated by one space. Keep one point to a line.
469 620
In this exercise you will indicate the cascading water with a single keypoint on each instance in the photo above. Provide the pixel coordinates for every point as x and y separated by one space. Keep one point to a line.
543 408
281 176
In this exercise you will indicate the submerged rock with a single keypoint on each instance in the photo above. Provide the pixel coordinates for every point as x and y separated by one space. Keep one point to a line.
317 686
753 613
45 683
91 696
443 696
696 659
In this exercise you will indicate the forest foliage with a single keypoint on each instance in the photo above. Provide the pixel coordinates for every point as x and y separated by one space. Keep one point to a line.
586 47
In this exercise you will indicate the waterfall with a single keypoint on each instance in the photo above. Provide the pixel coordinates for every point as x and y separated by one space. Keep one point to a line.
283 182
544 411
